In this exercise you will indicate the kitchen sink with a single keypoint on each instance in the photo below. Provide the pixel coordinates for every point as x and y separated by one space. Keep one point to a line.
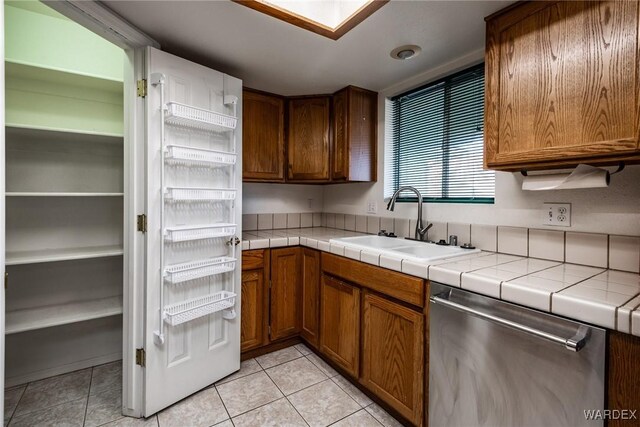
403 248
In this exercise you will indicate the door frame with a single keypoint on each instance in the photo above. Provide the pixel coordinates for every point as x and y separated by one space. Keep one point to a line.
101 20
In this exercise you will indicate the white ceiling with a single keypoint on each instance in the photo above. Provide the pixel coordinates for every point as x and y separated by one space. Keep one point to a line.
277 57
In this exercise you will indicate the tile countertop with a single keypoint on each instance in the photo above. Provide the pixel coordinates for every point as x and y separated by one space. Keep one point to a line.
598 296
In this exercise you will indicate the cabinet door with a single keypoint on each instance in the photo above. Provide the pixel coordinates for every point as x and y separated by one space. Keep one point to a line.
310 295
285 292
562 84
355 113
262 137
623 375
393 355
340 164
308 142
340 323
252 313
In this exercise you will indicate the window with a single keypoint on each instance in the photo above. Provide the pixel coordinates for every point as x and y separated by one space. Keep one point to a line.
436 141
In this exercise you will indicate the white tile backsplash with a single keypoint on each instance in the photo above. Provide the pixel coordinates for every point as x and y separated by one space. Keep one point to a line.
373 224
436 233
350 222
306 220
339 221
546 244
463 231
249 222
265 221
587 249
386 223
513 240
485 237
361 223
624 253
317 219
279 221
401 227
293 220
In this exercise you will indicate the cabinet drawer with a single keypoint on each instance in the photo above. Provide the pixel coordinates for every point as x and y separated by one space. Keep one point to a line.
252 260
397 285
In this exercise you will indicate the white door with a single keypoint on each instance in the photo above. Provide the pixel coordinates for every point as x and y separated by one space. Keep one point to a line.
194 184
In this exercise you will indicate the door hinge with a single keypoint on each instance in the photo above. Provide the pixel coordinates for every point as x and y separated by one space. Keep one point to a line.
270 283
141 88
141 357
269 331
6 280
142 223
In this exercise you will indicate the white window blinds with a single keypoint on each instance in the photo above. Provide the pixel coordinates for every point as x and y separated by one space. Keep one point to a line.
436 137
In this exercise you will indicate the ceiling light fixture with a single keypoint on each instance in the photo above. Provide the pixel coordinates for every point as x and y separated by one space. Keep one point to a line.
405 52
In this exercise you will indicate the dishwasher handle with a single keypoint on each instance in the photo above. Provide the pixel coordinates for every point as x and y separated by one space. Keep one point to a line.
575 343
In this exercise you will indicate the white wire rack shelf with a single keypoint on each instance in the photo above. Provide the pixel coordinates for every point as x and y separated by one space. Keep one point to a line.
198 232
198 118
192 270
195 308
201 156
186 194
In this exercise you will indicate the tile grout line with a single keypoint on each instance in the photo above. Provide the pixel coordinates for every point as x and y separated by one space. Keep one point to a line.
86 406
16 408
223 405
287 398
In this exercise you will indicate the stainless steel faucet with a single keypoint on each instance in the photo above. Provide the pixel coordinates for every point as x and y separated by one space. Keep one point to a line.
420 233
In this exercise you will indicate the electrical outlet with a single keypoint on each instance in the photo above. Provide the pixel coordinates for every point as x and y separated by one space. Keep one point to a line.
557 214
372 207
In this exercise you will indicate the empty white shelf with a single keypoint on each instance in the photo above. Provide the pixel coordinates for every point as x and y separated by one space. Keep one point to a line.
182 154
198 118
199 194
182 312
188 233
63 314
67 254
61 194
192 270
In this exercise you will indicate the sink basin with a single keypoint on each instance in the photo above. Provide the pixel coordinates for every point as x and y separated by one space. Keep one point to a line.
403 248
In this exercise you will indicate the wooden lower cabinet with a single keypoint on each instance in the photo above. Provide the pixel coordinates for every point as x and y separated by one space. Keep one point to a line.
340 323
623 376
310 327
393 354
286 293
254 308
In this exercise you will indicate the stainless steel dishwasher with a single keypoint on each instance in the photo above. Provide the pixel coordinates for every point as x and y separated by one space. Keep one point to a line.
493 363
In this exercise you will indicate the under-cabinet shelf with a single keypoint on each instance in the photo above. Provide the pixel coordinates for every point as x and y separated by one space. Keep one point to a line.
201 156
187 194
198 232
198 118
59 194
63 314
192 270
67 254
176 314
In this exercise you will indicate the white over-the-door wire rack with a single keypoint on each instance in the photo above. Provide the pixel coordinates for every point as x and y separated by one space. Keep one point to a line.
189 117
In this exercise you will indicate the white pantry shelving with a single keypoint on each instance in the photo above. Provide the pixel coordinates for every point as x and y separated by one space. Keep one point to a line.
66 254
62 314
56 194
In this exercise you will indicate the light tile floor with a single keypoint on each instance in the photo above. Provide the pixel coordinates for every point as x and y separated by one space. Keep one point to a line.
289 387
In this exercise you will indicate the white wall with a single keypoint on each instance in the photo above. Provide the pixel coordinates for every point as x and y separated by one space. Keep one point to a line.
281 198
613 210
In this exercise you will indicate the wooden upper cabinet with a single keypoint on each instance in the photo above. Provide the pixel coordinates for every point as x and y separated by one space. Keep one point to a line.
285 292
355 113
562 85
262 137
310 295
340 323
393 355
308 139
